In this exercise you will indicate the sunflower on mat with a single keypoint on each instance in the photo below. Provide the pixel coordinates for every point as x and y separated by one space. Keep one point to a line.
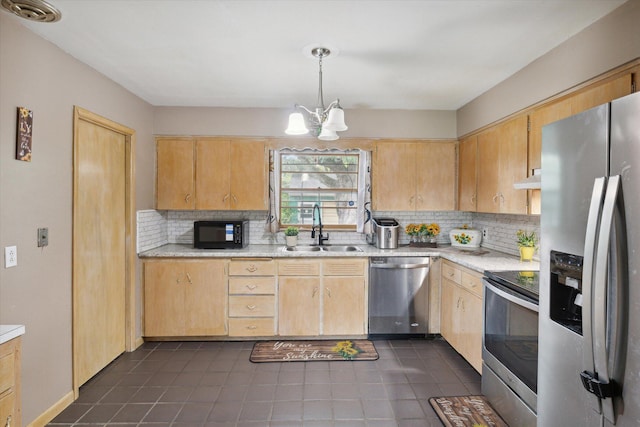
346 349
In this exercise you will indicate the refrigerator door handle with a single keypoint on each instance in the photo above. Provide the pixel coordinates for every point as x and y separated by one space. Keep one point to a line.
608 307
595 212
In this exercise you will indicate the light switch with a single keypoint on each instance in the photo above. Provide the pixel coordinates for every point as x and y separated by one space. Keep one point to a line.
43 237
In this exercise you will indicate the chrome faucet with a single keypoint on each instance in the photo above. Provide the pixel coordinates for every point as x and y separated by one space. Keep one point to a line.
321 238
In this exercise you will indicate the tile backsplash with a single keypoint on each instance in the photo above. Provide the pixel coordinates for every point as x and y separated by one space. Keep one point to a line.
157 228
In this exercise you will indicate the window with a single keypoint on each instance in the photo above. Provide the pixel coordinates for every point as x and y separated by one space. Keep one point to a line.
326 178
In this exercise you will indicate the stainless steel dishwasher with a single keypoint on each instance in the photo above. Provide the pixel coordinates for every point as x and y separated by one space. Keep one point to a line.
398 296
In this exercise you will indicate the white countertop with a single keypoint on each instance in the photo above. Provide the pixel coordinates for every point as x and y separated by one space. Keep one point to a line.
9 332
480 260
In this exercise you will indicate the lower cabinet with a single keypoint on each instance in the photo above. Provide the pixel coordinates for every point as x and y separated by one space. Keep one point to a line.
461 311
321 297
185 298
10 407
252 301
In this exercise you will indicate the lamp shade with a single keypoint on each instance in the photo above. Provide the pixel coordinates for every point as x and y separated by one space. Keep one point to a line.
296 125
327 135
335 121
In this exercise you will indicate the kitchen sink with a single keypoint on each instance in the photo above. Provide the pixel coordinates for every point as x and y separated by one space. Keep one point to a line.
327 248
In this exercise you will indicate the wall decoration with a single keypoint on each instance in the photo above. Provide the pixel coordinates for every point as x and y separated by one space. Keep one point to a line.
24 134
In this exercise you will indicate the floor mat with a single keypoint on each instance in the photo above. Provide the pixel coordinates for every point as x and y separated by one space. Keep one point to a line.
309 351
467 411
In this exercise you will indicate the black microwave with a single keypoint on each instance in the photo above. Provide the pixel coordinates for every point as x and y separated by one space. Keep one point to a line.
220 234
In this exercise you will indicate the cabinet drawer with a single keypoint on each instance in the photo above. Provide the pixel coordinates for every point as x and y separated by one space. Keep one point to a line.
251 305
298 268
6 372
252 268
451 273
251 327
252 285
344 267
471 283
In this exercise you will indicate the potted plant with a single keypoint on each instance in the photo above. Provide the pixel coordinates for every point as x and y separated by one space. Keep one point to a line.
291 236
527 242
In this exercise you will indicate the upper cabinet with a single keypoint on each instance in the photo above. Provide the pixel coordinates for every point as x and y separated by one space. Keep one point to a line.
467 173
576 103
502 161
211 174
414 176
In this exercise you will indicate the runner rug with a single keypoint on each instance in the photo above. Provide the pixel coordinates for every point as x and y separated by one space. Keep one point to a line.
309 351
466 411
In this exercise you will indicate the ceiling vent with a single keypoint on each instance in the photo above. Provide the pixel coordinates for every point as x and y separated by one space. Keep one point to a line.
33 10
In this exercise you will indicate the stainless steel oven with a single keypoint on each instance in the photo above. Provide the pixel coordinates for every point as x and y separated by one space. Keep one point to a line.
510 345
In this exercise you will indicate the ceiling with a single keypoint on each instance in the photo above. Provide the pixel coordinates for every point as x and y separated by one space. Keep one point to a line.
387 54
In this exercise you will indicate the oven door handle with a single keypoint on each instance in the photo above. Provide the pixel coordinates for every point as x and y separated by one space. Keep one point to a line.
511 297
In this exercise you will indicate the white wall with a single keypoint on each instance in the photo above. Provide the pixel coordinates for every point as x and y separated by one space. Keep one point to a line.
37 293
608 43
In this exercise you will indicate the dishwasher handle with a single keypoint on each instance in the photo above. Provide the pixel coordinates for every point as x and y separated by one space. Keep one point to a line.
400 266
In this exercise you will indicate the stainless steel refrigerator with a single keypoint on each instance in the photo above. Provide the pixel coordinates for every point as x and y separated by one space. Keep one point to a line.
589 320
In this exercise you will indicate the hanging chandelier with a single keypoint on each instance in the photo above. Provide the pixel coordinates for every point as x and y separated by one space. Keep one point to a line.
322 122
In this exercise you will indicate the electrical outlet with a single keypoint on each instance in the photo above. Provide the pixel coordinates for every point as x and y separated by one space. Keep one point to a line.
10 256
485 234
43 237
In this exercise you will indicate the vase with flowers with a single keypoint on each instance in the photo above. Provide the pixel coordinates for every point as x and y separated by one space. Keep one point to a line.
527 243
423 234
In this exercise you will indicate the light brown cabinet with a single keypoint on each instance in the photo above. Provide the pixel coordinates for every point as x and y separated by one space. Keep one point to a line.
211 174
321 297
185 298
10 385
502 161
467 173
461 311
414 176
252 303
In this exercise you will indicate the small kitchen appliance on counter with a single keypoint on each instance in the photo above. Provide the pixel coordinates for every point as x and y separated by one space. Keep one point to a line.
220 234
385 233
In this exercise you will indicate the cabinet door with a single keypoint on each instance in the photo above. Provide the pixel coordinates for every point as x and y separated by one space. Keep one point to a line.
212 174
164 293
299 306
435 176
394 177
343 306
8 409
248 175
467 161
488 171
470 335
512 137
449 327
175 174
205 309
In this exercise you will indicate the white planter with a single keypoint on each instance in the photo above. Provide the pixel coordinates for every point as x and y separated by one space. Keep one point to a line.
291 240
467 238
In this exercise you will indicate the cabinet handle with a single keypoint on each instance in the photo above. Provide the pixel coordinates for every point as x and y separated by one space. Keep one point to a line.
252 268
178 280
251 307
420 199
411 200
501 198
495 198
235 199
328 292
450 273
187 198
226 196
189 279
8 424
315 291
473 198
251 287
252 327
458 304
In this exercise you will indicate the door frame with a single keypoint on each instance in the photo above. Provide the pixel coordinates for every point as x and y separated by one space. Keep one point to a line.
80 114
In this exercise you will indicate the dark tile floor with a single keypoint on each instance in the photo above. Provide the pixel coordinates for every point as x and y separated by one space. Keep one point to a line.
209 384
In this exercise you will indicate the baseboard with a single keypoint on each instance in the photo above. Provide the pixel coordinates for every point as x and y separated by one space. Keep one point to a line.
138 343
53 411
